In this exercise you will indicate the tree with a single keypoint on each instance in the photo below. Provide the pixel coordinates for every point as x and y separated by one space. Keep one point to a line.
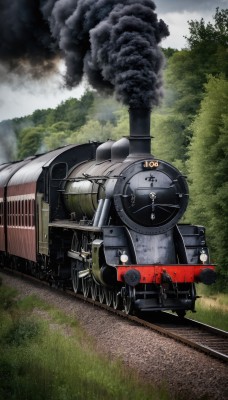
208 168
168 52
208 43
169 140
202 33
30 141
75 111
186 74
39 116
92 131
57 135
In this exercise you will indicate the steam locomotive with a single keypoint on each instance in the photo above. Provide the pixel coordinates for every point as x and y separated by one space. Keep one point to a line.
104 219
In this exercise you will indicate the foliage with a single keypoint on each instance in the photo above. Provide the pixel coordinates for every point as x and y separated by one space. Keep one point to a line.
168 52
30 140
209 169
185 76
61 364
209 315
56 135
171 144
101 121
201 33
90 118
211 307
47 129
22 330
7 297
92 131
74 111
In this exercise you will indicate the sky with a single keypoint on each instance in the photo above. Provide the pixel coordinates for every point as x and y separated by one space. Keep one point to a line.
21 96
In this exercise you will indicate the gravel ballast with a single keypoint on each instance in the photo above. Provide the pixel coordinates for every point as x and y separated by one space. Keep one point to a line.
186 373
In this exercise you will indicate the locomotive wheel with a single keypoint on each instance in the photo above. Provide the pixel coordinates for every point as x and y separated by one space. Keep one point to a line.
75 279
85 287
128 306
108 297
128 300
117 302
101 294
94 291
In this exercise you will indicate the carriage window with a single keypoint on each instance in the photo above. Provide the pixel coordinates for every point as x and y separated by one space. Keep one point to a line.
31 212
11 212
8 213
17 212
26 212
22 212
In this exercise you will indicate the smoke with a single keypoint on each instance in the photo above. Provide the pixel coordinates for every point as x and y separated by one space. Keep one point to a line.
115 43
25 38
8 142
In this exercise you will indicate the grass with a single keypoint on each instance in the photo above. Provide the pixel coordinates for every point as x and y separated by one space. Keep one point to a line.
47 355
211 308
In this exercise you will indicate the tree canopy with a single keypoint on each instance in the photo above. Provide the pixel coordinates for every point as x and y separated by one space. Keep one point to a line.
208 169
186 74
202 34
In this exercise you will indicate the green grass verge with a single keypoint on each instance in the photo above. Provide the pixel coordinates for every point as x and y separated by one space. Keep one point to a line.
46 355
211 308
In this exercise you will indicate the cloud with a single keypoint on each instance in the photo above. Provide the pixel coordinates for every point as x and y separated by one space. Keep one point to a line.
22 98
178 27
166 6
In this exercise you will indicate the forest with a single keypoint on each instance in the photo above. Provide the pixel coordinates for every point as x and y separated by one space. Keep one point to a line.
189 128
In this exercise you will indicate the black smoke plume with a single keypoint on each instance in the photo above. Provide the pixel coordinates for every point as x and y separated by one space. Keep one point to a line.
113 42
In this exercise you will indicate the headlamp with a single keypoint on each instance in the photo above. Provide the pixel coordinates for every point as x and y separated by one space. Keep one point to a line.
203 257
124 258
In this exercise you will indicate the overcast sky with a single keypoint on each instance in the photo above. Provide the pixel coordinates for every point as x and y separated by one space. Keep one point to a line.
22 98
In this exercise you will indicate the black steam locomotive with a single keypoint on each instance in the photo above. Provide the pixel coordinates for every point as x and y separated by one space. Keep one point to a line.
103 218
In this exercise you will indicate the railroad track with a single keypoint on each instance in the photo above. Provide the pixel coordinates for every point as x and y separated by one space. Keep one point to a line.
202 337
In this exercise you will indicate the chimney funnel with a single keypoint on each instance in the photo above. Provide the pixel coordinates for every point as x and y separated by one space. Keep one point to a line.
140 139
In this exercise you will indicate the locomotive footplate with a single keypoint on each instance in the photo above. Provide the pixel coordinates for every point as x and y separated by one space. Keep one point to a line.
159 274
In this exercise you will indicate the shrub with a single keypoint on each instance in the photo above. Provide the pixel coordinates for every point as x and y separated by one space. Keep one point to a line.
22 331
